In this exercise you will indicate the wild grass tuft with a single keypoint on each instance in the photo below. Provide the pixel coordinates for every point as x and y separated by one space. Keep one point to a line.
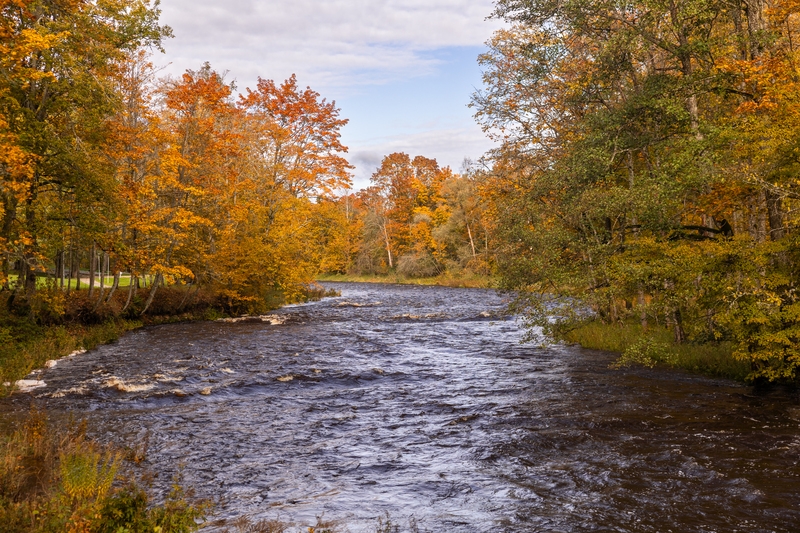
654 346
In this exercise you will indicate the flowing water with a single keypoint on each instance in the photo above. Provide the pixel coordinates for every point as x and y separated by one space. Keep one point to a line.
421 401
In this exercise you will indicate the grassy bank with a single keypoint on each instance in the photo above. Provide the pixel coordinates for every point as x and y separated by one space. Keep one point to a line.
52 324
444 280
29 339
27 346
654 346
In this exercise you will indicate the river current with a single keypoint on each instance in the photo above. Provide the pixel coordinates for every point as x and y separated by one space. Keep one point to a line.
421 401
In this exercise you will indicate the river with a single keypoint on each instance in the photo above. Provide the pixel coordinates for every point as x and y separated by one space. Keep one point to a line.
421 401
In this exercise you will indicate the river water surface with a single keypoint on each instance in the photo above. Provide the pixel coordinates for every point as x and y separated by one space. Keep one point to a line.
421 401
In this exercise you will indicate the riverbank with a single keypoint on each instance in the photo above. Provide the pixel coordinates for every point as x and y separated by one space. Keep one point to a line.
472 281
28 340
654 346
27 346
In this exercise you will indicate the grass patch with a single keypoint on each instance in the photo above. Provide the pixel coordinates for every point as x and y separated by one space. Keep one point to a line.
25 346
654 346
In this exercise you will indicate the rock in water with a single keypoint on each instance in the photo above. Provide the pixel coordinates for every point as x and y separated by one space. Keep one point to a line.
27 385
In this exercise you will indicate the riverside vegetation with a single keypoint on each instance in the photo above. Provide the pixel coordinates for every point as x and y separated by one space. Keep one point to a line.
647 170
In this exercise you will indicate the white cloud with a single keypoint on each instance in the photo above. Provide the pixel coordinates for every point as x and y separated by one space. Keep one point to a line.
448 146
386 61
330 43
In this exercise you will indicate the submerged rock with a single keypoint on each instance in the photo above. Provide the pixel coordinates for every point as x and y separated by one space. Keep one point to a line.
27 385
275 320
356 304
116 383
74 390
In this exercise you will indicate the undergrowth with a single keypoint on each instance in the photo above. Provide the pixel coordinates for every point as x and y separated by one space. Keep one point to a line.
655 346
55 480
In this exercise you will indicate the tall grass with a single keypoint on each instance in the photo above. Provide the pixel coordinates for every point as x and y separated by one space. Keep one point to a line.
55 480
654 346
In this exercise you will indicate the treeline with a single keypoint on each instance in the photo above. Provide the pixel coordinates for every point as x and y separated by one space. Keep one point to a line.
416 220
648 165
105 168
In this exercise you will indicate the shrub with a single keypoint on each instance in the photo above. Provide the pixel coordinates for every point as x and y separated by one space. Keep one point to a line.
57 480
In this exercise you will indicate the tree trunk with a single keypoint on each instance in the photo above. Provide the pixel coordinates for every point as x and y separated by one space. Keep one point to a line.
102 283
102 279
114 286
62 269
71 268
756 25
30 275
680 335
6 272
757 216
642 309
153 289
131 290
775 215
471 242
185 297
92 261
388 245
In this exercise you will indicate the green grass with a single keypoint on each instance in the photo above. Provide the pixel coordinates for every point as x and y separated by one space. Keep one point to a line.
25 346
108 281
655 346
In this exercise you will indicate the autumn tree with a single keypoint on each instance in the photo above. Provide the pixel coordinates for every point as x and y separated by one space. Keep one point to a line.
58 60
418 219
641 169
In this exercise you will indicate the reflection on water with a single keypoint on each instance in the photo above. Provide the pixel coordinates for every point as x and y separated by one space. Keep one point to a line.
421 401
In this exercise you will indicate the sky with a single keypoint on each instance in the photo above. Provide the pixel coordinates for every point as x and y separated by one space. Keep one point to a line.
402 71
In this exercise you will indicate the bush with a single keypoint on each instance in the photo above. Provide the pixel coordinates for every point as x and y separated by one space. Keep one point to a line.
418 265
57 480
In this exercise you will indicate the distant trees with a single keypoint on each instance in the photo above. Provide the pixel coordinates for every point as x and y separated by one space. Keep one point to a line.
418 220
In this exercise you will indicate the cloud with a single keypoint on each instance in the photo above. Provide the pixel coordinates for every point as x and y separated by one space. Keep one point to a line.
448 146
339 43
401 70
